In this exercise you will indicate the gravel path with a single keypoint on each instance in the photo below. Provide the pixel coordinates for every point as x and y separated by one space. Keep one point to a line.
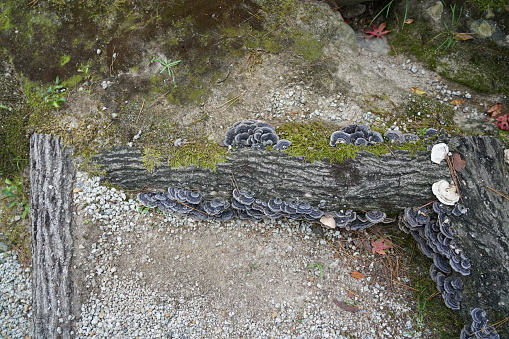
15 297
158 276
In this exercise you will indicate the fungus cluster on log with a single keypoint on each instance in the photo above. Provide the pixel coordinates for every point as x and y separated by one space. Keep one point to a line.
433 231
356 134
479 327
243 205
353 220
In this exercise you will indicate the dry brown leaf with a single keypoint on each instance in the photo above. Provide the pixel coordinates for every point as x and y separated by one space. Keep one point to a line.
457 163
417 91
456 102
495 110
343 305
350 294
409 21
358 275
462 36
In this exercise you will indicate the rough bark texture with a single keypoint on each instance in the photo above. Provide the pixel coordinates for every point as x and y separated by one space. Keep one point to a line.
390 183
51 177
484 230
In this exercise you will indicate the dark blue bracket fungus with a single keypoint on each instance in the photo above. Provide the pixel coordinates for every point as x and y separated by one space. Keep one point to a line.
394 136
479 327
252 133
356 134
433 231
282 144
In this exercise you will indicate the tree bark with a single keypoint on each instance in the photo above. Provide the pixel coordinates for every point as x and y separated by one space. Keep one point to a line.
389 182
51 178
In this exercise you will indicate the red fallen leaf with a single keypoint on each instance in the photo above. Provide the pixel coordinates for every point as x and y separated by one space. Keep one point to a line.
345 306
377 31
503 122
457 163
495 110
380 245
357 275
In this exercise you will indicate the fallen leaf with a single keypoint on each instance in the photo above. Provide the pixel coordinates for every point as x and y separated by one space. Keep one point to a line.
350 294
503 122
457 163
417 91
380 245
495 110
462 36
409 21
328 221
456 102
343 305
379 31
358 275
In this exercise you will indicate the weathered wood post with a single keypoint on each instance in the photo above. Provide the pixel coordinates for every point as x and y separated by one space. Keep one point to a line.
51 179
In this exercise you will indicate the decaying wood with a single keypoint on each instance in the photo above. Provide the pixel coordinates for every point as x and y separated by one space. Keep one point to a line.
51 178
389 182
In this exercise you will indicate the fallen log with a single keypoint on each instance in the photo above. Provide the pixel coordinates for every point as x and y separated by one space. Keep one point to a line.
389 183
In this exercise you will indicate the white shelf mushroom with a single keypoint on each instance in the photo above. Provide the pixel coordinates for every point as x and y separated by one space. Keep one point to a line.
446 193
439 152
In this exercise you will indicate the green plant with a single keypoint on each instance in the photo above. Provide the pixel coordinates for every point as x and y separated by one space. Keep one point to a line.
419 317
167 65
318 266
451 36
144 209
15 198
54 94
387 8
85 69
5 107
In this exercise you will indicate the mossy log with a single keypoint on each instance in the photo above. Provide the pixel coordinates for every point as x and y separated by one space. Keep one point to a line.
388 182
51 181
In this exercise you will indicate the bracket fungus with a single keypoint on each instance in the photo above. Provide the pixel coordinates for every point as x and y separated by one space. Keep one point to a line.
445 192
439 152
394 135
356 134
435 236
282 144
252 133
479 327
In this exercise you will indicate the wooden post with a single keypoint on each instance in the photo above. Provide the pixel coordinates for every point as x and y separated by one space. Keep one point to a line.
51 180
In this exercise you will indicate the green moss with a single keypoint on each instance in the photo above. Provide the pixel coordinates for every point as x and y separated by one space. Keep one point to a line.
200 153
466 63
308 46
431 312
13 229
72 81
493 4
151 158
